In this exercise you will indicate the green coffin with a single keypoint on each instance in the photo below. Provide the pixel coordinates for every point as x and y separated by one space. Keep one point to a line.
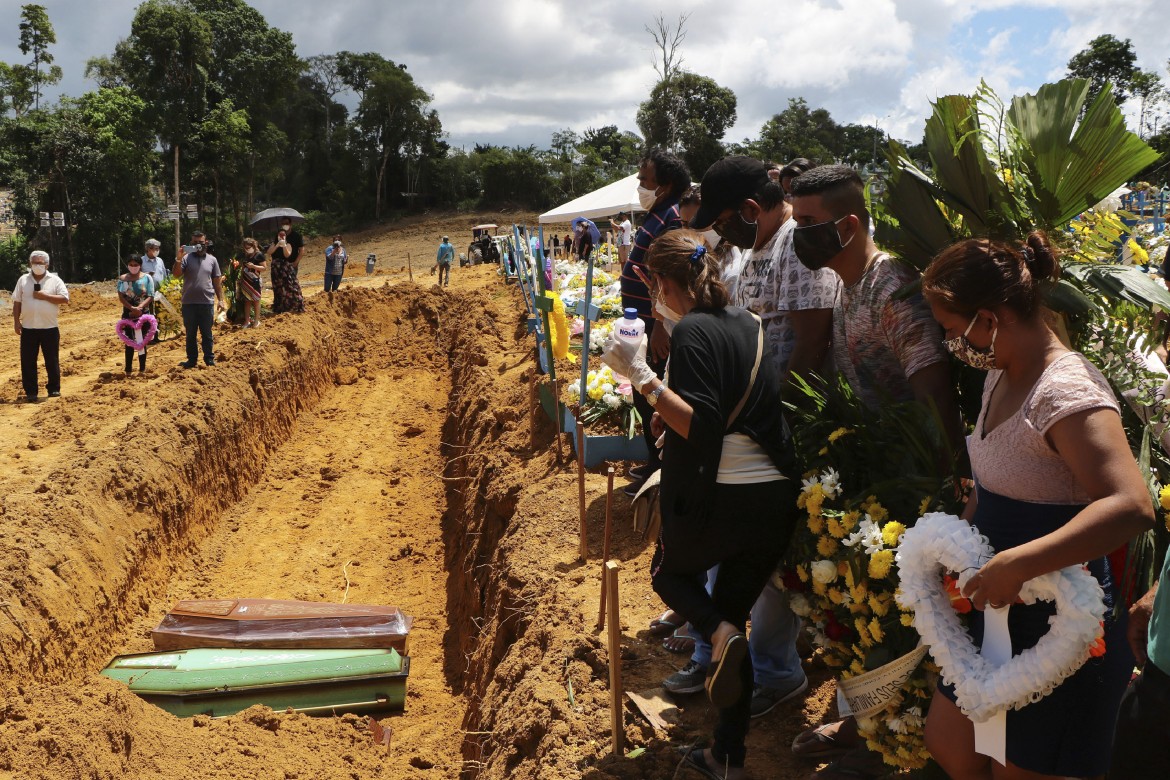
221 682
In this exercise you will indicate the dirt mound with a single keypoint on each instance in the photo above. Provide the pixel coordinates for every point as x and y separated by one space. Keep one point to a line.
383 447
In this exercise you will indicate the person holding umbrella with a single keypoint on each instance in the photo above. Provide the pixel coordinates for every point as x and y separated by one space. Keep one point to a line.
286 290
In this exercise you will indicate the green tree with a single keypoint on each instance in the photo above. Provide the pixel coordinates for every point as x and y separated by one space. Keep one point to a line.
1106 60
688 113
36 35
15 91
1151 94
799 131
165 60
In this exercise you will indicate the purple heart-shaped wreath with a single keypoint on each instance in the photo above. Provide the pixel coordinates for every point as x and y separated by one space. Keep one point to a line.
146 325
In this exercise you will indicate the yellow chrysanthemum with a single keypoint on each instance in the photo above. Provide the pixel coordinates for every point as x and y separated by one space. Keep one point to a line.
823 451
878 513
850 520
826 546
815 500
856 667
879 606
836 529
816 524
880 563
837 434
836 596
875 630
924 506
818 588
908 619
892 533
1164 497
802 572
863 632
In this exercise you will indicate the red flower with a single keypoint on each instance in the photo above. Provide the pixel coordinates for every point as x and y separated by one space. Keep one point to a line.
792 581
1097 649
961 603
838 632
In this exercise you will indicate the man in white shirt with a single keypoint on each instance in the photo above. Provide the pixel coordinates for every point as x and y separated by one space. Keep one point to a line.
152 265
35 301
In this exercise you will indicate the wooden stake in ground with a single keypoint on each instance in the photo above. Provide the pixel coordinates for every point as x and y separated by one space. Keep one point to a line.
409 269
615 660
557 417
583 551
605 548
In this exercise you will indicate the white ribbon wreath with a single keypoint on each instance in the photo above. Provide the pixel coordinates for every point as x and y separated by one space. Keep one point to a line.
940 543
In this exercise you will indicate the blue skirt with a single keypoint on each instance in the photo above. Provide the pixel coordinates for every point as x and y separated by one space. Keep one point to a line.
1070 731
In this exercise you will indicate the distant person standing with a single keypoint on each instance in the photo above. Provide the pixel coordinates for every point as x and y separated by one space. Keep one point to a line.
556 243
295 241
153 265
335 260
625 235
35 301
202 295
443 260
249 286
584 244
286 290
136 292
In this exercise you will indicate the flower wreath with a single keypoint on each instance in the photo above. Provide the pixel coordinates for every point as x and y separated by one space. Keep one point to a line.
940 543
137 327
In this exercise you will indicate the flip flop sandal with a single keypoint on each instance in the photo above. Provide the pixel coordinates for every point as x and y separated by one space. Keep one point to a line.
679 642
660 626
693 758
723 685
816 744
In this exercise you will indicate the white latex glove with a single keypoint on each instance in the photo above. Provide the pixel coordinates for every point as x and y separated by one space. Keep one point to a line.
628 360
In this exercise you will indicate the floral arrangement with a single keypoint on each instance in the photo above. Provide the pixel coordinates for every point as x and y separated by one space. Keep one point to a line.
605 398
606 254
869 475
170 324
144 329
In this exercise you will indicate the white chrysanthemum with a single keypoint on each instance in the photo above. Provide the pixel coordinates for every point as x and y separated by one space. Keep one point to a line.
611 400
607 388
868 535
823 572
831 483
799 604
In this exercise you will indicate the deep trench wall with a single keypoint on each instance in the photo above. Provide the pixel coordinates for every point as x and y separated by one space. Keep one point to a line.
84 551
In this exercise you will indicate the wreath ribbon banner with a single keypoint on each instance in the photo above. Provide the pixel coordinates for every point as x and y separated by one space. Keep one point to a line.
870 693
939 543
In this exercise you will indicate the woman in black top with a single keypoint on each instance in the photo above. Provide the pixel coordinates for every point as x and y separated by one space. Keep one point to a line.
727 491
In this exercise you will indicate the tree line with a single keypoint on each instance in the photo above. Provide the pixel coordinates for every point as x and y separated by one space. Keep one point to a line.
205 104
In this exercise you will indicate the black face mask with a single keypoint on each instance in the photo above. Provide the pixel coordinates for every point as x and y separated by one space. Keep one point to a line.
817 245
737 231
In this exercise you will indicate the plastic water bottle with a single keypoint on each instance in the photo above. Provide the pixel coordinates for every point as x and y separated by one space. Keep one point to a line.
629 329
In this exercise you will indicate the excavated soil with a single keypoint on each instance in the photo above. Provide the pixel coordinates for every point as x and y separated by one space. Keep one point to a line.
386 446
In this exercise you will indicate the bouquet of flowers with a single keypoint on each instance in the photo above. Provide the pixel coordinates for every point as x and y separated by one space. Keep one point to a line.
869 475
170 324
604 399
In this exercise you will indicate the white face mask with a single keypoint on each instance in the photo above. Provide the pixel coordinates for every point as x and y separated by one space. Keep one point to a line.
669 315
38 269
646 197
712 238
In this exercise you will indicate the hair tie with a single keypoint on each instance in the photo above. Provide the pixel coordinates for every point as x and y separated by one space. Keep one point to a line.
697 255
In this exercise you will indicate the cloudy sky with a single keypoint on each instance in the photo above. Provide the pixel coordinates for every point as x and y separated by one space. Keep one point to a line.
515 71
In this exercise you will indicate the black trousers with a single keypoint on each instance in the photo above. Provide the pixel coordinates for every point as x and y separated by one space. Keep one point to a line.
46 341
1141 743
199 317
746 532
645 410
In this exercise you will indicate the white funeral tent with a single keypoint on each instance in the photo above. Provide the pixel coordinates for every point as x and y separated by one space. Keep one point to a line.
608 201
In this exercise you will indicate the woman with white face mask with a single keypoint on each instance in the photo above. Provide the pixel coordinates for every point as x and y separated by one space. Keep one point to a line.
727 493
35 302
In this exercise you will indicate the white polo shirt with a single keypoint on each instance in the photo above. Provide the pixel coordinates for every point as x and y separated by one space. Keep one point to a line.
35 313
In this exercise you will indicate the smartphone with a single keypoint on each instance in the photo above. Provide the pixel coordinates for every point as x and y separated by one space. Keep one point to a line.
36 287
188 249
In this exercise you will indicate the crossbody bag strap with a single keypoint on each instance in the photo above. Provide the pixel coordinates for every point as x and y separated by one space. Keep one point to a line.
755 370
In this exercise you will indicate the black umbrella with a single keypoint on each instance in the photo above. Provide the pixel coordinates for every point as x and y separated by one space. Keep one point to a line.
269 219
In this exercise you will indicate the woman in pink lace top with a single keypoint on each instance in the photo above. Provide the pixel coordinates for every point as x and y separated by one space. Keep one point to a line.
1056 485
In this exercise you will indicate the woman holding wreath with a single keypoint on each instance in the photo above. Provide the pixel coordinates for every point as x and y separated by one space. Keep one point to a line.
1056 486
727 493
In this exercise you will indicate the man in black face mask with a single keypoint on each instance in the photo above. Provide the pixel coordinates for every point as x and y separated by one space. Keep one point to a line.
888 349
747 209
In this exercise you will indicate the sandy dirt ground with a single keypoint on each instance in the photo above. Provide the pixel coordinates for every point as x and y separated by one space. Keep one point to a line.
383 447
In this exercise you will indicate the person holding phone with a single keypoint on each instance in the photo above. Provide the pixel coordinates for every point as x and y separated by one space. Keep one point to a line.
202 296
335 259
35 302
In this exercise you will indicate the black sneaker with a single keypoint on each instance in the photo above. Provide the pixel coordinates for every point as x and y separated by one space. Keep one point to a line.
765 699
186 364
641 472
209 362
31 399
632 489
55 394
689 679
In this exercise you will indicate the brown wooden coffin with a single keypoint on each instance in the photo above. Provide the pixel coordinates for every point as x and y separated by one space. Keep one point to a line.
275 623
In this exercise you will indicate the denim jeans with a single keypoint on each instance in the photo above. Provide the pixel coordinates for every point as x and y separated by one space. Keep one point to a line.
772 639
332 282
199 316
